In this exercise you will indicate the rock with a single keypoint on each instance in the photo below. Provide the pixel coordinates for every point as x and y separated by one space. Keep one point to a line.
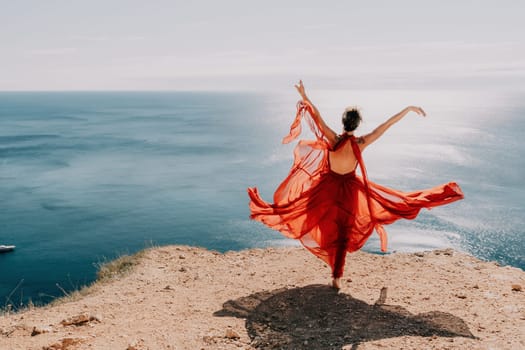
516 288
64 344
39 330
76 320
67 342
80 320
54 346
231 334
95 318
136 345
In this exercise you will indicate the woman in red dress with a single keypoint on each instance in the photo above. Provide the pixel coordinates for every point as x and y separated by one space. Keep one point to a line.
325 204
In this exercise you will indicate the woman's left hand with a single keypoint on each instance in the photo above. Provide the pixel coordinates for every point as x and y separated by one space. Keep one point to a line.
300 89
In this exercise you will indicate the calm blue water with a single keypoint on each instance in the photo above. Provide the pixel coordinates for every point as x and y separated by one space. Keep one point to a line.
86 176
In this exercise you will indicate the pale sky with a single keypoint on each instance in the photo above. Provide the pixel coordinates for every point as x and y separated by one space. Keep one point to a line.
259 45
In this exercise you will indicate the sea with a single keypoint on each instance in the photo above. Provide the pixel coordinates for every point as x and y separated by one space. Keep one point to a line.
86 177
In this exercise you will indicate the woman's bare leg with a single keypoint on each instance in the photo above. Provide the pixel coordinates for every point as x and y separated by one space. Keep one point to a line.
339 265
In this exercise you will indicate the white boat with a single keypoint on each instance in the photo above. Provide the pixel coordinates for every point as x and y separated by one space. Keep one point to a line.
6 248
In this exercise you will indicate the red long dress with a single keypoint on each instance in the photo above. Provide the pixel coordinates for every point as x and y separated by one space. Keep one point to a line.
330 213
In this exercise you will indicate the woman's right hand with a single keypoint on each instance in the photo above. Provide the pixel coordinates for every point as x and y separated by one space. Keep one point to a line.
417 110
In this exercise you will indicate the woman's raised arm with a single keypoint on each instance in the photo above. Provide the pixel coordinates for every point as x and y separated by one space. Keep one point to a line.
380 130
330 135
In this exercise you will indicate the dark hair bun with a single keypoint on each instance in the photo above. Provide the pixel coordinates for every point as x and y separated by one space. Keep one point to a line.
351 119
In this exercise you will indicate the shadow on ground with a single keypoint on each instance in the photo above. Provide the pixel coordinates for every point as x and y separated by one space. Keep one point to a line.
317 317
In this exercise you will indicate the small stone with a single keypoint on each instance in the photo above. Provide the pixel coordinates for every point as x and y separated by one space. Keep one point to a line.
64 344
182 269
54 346
77 320
68 342
134 345
95 318
182 257
516 288
39 330
231 334
461 296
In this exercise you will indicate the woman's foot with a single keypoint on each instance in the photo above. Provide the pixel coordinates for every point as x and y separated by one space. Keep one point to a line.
336 283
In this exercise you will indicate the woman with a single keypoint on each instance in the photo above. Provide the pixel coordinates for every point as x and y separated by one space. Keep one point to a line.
324 204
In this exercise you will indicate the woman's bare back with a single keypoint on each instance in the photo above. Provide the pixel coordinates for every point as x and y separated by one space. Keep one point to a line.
343 160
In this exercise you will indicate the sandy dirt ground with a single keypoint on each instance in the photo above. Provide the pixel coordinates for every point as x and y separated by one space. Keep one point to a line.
181 297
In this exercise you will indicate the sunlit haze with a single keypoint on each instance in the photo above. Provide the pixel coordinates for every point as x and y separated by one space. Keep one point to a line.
246 45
